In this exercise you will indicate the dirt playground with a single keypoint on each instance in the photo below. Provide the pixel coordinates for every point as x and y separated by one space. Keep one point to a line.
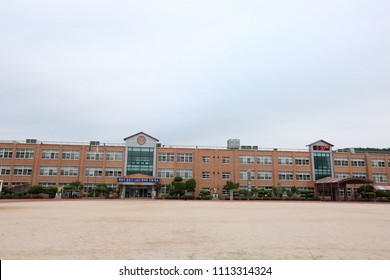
169 230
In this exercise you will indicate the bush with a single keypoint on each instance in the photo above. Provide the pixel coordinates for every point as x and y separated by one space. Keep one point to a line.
37 196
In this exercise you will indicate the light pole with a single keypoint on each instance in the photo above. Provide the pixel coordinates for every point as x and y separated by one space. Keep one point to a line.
249 174
1 186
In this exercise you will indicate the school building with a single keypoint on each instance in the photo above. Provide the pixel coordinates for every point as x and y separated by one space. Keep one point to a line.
134 167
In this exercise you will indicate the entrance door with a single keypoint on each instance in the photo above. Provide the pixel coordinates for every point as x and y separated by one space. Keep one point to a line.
139 192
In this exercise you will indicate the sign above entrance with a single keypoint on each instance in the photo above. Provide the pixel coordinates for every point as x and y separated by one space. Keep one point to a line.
138 180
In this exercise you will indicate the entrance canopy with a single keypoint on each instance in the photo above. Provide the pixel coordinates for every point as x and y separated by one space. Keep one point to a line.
330 187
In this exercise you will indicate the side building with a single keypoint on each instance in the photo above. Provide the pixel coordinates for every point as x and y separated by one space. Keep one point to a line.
133 168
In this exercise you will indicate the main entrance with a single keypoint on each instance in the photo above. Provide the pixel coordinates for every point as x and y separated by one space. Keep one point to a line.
137 186
139 192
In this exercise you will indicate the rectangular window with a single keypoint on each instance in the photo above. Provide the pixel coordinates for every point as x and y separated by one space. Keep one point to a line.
303 176
114 156
380 177
225 160
93 172
25 153
206 175
113 172
166 157
341 175
286 175
341 162
205 159
359 175
285 160
358 162
184 173
264 175
165 173
5 169
50 154
23 170
226 175
184 157
264 159
247 175
94 155
48 171
377 162
5 153
302 161
247 159
70 155
70 171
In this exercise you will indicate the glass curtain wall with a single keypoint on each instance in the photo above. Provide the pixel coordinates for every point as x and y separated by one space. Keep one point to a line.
140 160
322 165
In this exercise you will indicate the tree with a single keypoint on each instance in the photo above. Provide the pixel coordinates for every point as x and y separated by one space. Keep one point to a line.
190 185
230 185
367 192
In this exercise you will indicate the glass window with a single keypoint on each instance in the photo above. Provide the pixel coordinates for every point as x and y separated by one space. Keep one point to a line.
165 173
25 153
140 160
302 161
184 173
50 154
5 153
70 155
285 160
322 165
225 160
166 157
264 159
247 159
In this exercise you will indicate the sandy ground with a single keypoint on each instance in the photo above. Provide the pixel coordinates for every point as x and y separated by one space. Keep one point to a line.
161 229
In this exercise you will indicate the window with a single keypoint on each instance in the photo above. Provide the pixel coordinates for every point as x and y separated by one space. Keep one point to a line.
70 171
286 175
303 176
114 156
244 174
46 184
205 175
184 173
166 157
302 161
23 170
184 157
69 154
25 153
93 172
285 160
113 172
140 160
380 177
94 155
341 175
5 153
247 159
264 175
205 159
341 161
5 169
165 173
264 159
226 175
226 160
48 171
50 154
376 162
358 162
359 175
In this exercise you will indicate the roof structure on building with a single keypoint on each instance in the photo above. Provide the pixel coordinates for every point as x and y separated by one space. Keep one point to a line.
350 180
139 133
321 142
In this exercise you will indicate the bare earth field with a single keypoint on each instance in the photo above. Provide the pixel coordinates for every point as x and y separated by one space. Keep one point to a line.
170 230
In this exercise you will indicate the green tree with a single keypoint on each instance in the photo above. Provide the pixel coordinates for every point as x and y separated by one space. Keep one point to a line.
190 185
366 192
230 185
36 190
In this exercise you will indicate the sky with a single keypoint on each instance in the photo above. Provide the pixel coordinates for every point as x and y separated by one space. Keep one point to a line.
272 73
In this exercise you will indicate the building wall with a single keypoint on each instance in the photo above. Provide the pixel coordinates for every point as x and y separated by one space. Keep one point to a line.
206 166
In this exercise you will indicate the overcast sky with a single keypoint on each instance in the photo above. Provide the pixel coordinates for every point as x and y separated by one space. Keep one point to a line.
273 73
